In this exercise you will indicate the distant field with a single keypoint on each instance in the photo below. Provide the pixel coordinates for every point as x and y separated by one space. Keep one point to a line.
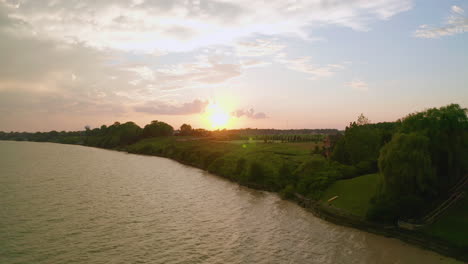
354 194
453 225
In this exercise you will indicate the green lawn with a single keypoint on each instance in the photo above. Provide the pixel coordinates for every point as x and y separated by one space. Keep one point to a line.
353 194
453 225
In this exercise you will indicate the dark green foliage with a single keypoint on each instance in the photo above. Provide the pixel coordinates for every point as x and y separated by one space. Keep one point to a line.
316 175
360 143
157 129
113 136
408 178
447 129
256 173
421 162
72 137
287 192
390 209
216 166
286 176
240 166
186 130
406 165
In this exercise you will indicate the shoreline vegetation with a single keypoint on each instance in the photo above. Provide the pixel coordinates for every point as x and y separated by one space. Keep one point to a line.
386 178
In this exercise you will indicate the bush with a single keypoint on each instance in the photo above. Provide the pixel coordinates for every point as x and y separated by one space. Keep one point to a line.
285 176
240 167
367 167
256 173
287 192
389 210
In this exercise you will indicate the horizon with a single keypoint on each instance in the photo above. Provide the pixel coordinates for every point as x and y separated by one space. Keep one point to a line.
67 65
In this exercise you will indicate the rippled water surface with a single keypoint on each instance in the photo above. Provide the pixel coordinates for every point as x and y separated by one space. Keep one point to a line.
73 204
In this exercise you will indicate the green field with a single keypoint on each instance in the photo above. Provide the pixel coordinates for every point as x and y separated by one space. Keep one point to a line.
453 225
353 195
284 167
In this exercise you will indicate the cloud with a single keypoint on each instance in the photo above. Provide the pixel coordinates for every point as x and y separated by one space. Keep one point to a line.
164 108
259 47
75 78
304 65
181 25
358 85
254 63
456 23
249 114
457 10
205 70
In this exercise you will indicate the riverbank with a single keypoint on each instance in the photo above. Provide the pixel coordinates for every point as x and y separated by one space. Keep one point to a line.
419 239
65 203
265 166
273 162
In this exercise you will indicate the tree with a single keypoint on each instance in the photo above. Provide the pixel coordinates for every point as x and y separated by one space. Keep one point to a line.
157 129
406 166
427 156
408 178
447 129
185 130
360 143
362 120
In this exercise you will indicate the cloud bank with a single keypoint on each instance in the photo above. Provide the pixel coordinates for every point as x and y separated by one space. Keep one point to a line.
178 25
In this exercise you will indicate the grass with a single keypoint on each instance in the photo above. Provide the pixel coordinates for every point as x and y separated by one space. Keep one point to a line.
354 195
228 159
453 225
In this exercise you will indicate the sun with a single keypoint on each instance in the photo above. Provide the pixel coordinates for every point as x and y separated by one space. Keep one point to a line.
217 116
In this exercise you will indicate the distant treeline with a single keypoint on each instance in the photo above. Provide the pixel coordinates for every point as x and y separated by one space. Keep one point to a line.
121 134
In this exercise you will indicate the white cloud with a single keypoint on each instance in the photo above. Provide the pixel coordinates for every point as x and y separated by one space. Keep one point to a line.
205 70
358 85
456 24
457 10
180 25
254 63
304 65
249 114
144 72
259 47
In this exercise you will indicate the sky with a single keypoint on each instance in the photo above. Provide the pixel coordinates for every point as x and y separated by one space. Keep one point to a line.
280 64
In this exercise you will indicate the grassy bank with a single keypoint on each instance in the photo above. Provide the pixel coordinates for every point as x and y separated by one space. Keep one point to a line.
249 162
353 195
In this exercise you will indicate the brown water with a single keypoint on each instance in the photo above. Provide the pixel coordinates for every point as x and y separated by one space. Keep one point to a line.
73 204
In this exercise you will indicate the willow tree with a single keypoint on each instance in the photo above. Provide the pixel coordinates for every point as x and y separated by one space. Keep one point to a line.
406 165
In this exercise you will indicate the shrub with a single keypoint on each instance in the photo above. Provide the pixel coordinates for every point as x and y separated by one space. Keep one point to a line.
287 192
256 173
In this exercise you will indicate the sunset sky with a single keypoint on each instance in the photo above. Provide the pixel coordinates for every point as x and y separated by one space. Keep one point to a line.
265 64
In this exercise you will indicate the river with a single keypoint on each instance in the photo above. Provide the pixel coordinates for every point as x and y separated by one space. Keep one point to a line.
74 204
